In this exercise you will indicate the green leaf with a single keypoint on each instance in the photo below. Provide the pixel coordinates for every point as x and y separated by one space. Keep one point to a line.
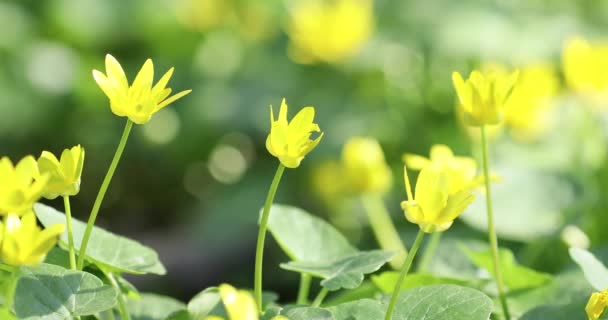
594 270
305 237
53 293
346 272
442 302
367 290
364 309
515 276
307 313
205 303
153 307
386 281
111 252
571 311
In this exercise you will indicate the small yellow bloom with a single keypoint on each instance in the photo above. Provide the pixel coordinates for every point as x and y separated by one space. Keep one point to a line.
290 141
239 305
433 208
329 31
585 67
461 171
597 304
140 100
365 167
23 242
20 186
64 174
483 96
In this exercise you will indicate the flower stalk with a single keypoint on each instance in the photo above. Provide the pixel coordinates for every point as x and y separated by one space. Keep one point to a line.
68 222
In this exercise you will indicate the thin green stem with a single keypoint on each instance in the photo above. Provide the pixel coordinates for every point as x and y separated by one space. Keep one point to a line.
101 194
122 305
384 229
429 251
404 271
10 289
305 280
68 221
259 251
493 239
320 297
6 267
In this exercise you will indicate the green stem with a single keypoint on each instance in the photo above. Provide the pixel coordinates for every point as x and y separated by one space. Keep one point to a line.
122 306
101 194
109 314
10 289
493 239
320 297
305 280
404 270
68 221
259 251
429 251
384 229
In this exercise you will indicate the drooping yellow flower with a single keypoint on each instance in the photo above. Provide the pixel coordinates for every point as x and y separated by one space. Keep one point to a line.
483 96
140 100
461 171
20 185
23 242
239 305
290 141
365 167
329 31
597 304
64 174
433 208
585 67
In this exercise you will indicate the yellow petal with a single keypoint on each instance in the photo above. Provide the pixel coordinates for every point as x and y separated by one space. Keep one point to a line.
415 161
115 73
172 99
431 192
441 153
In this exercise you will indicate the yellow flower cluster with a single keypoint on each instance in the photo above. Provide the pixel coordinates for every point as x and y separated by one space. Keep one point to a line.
329 31
597 304
239 305
64 174
364 165
585 66
20 185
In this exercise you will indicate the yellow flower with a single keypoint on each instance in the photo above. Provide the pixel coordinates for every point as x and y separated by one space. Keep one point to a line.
329 31
290 142
64 174
483 96
433 208
23 242
140 100
239 305
586 68
461 171
20 186
365 167
597 304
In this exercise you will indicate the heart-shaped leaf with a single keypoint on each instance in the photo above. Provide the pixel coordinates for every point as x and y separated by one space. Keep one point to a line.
111 252
51 292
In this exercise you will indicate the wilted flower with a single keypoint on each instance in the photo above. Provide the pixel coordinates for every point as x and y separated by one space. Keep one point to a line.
597 304
290 141
483 96
23 242
140 100
329 31
433 208
64 174
586 68
239 305
20 186
461 171
365 167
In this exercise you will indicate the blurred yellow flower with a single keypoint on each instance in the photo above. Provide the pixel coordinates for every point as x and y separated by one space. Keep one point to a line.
203 15
433 208
20 185
461 171
597 304
140 100
365 168
290 141
483 96
23 242
328 181
239 305
329 31
585 67
64 174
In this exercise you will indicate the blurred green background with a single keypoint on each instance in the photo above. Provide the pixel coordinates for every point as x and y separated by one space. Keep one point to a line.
192 180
